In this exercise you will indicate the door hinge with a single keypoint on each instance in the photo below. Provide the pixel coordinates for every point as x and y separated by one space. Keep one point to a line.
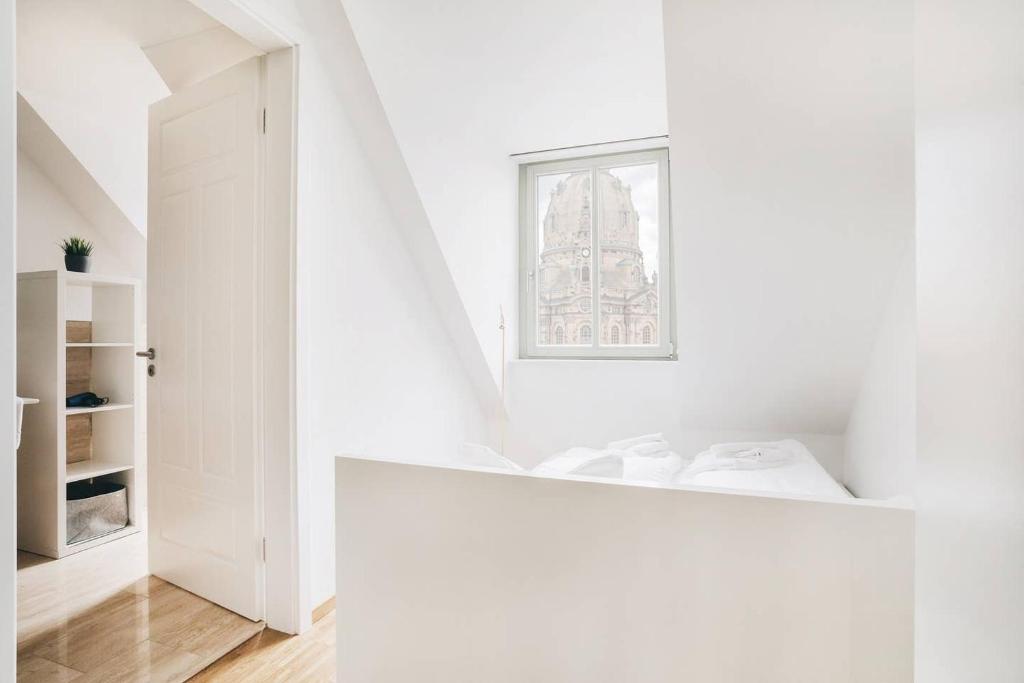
264 120
264 548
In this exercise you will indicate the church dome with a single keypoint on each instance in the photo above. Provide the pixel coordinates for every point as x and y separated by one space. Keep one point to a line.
620 221
567 222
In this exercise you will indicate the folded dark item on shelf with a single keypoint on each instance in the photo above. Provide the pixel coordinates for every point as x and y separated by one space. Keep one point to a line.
86 399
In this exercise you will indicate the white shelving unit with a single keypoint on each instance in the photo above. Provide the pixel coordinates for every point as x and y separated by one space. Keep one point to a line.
111 446
98 409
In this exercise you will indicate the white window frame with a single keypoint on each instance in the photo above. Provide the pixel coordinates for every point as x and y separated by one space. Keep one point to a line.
664 349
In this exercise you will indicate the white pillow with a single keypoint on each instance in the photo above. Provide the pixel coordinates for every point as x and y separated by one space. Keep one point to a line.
588 462
477 455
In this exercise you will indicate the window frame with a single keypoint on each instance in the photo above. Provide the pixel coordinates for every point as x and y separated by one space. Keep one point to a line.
529 259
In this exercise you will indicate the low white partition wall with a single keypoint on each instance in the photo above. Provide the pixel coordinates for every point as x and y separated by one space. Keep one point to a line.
452 575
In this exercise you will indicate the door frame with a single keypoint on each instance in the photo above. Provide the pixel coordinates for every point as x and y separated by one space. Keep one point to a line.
8 454
287 601
286 593
285 586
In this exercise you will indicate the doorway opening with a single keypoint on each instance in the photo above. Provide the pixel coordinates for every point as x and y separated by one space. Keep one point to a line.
149 468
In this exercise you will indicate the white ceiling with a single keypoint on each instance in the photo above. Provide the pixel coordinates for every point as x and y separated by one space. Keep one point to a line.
149 22
515 76
82 69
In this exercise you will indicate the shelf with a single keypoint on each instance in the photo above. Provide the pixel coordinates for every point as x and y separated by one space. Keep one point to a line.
87 469
81 335
98 345
97 409
71 548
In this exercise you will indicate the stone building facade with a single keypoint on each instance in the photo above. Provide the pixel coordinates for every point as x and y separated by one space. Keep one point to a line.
628 297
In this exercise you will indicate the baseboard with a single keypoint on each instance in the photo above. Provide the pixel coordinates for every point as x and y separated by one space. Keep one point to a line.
324 609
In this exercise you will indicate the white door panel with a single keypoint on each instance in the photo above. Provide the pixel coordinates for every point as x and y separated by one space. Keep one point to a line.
204 511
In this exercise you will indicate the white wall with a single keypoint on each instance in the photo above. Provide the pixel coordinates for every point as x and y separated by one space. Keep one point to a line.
791 134
45 217
970 304
881 437
586 403
466 83
383 379
504 578
378 372
8 583
792 187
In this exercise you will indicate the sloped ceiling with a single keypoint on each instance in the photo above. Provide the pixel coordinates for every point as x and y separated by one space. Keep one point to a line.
80 189
82 69
466 83
782 275
190 59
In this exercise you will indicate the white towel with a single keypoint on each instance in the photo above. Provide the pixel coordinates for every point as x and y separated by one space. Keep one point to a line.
582 461
736 449
626 444
661 470
744 456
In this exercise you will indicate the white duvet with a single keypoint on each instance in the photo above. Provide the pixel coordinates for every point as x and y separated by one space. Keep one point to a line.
645 458
774 466
777 466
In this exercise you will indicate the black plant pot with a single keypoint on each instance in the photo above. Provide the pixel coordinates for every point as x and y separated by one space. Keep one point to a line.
76 263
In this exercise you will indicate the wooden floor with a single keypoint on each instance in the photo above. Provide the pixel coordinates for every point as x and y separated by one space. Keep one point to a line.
274 656
97 616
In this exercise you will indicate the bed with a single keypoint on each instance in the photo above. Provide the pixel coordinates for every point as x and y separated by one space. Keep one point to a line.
784 467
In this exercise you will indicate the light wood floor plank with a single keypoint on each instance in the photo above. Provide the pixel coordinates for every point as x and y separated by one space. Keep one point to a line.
97 616
51 592
150 661
274 656
39 670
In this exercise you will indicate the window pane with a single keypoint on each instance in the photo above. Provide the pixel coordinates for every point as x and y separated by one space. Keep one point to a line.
565 264
628 216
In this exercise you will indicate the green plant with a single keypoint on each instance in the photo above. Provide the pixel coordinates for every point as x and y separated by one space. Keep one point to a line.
76 246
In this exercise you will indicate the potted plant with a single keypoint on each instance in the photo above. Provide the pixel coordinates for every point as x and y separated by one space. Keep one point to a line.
76 254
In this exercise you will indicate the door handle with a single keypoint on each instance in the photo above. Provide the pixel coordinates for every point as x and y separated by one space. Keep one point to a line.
149 353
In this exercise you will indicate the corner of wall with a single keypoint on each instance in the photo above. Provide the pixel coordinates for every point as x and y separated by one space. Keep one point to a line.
881 435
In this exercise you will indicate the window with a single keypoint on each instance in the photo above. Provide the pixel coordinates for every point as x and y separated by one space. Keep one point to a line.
596 256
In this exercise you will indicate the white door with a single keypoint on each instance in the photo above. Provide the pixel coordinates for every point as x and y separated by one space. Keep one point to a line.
204 495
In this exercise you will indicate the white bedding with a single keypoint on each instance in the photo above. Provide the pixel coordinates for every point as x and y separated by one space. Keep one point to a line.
777 467
797 472
645 458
